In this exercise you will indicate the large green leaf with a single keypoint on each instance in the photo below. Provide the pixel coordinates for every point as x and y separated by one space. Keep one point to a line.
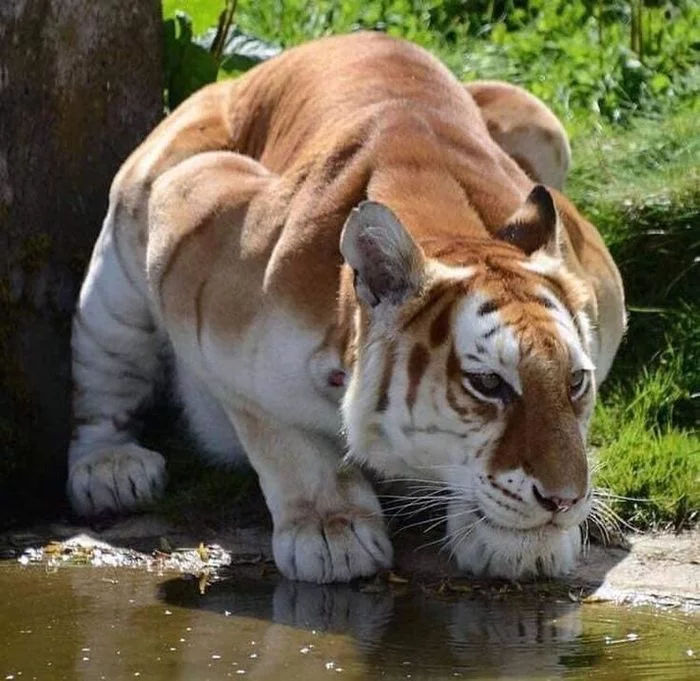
240 51
188 66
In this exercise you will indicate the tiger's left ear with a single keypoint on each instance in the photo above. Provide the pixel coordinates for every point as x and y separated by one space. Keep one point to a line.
535 225
386 261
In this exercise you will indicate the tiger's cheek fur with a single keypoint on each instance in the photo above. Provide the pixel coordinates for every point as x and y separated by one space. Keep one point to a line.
405 410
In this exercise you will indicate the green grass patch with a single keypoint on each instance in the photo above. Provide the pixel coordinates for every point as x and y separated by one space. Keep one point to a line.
641 187
643 457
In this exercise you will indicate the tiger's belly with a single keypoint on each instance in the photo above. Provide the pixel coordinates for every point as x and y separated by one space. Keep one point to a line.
206 418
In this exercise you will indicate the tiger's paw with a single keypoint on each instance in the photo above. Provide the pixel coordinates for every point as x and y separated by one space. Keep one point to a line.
118 479
332 547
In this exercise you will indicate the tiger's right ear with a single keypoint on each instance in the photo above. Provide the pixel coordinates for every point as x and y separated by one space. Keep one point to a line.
386 261
535 225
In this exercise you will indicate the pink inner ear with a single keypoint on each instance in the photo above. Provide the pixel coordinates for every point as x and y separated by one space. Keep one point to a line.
336 378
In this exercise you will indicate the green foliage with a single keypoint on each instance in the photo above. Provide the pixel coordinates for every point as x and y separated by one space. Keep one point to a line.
187 66
642 188
590 59
190 61
238 51
580 61
652 464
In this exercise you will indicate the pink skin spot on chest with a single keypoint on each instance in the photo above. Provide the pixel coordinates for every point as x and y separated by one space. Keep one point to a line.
336 378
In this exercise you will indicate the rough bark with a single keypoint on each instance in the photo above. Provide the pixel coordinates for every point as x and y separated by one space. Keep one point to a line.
80 86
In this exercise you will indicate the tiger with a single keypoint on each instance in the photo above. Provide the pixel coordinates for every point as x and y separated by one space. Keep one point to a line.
348 275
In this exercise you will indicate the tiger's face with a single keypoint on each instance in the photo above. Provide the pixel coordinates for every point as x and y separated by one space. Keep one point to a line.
477 379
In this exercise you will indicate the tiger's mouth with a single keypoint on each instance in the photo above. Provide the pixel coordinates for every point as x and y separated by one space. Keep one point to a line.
484 547
548 525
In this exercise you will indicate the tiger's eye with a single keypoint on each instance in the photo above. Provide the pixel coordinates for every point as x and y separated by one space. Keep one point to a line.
489 381
576 380
486 384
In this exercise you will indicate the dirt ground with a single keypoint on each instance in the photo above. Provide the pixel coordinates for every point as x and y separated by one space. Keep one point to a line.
657 568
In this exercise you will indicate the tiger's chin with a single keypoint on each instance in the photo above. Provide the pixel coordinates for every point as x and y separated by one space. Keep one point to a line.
489 550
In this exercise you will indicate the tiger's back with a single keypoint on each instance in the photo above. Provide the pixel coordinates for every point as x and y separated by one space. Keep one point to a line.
222 241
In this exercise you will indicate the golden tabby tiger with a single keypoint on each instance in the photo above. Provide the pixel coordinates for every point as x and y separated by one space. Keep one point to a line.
340 258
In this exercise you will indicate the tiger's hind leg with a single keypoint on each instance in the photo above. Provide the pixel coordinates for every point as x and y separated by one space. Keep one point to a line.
526 129
115 363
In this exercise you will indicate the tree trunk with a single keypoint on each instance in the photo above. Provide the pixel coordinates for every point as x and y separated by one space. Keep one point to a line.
80 86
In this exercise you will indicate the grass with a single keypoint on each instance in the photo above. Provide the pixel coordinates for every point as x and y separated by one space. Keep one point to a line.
636 175
654 467
641 186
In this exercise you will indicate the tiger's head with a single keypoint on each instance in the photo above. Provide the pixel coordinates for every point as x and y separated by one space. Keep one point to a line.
473 372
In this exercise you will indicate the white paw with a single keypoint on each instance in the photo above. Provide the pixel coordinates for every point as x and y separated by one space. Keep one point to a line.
332 547
118 479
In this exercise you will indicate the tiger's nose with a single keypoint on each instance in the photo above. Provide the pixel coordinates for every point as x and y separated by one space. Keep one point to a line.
554 504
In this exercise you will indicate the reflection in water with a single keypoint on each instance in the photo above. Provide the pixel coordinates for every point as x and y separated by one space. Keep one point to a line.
91 624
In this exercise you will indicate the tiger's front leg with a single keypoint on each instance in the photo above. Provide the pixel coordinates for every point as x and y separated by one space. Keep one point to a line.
328 524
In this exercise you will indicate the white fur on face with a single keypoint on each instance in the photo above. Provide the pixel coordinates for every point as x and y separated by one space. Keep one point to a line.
486 549
431 441
484 344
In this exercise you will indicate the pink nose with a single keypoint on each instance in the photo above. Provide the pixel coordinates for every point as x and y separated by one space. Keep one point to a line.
553 504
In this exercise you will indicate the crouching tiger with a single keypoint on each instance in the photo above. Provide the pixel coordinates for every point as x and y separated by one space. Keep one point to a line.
345 266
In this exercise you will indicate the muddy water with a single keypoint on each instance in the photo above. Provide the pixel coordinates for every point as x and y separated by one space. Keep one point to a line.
87 623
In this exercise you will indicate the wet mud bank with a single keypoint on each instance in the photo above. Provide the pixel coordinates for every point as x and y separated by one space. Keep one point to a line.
660 569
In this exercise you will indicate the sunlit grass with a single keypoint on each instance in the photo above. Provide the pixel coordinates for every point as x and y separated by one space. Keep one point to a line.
643 456
641 187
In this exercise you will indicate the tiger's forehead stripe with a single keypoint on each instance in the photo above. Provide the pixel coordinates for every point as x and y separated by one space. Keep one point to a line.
440 327
431 300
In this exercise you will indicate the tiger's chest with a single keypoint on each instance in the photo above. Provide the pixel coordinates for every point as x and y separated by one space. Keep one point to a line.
278 365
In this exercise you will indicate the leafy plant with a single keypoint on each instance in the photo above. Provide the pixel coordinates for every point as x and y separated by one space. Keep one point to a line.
194 61
188 66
